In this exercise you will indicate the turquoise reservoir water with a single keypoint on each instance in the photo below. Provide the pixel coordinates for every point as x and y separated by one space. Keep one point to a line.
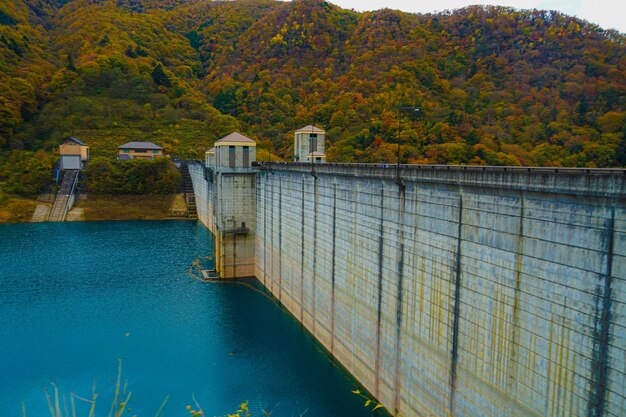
76 297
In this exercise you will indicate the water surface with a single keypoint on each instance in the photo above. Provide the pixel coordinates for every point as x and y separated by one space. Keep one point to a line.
76 297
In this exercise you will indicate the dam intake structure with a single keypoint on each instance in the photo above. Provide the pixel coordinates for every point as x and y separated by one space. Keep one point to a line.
473 291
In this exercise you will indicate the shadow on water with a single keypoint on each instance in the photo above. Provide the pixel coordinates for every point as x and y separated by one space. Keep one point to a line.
75 297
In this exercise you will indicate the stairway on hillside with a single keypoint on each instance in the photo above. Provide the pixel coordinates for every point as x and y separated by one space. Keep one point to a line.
44 205
190 197
60 206
41 213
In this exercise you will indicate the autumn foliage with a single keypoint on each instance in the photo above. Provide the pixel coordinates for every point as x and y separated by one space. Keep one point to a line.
496 85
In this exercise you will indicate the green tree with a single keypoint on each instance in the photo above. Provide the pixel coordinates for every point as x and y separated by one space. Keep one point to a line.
26 173
137 176
102 177
160 77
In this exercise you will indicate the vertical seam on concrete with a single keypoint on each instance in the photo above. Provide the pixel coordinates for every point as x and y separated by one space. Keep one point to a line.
334 253
280 236
601 332
216 223
302 259
402 208
221 225
214 208
455 315
519 255
232 188
315 201
351 287
265 231
272 274
380 288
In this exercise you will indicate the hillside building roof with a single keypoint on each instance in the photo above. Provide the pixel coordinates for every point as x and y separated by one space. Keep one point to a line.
310 129
236 139
78 141
140 145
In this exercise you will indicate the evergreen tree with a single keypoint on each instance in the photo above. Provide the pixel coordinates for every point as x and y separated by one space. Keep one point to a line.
160 77
70 63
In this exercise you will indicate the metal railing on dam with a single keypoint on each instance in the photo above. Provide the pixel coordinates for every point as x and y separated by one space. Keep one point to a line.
584 181
332 166
478 291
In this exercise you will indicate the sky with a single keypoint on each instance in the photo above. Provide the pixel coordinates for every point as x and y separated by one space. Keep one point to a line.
608 14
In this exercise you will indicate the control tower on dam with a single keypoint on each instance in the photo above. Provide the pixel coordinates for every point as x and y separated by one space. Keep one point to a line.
468 291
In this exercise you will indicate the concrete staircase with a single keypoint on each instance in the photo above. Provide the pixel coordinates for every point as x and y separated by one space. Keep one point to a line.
190 197
45 200
65 197
41 213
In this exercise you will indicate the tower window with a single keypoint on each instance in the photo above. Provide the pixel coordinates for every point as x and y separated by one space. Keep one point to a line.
231 156
246 156
313 142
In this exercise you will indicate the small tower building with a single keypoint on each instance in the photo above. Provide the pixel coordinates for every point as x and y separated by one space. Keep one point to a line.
73 154
309 145
232 186
234 152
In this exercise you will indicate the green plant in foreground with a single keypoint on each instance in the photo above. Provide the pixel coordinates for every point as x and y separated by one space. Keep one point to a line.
58 407
242 411
58 404
368 401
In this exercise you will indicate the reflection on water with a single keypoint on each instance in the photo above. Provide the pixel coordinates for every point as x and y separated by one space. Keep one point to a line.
75 297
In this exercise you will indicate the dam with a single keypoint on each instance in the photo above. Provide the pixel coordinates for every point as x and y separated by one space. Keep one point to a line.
445 290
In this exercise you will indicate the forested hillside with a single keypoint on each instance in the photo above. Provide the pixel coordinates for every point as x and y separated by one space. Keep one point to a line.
496 85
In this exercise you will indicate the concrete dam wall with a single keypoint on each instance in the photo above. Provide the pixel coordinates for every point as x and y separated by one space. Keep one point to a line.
463 290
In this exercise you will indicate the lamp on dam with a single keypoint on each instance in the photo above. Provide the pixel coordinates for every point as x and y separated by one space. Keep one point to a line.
412 110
